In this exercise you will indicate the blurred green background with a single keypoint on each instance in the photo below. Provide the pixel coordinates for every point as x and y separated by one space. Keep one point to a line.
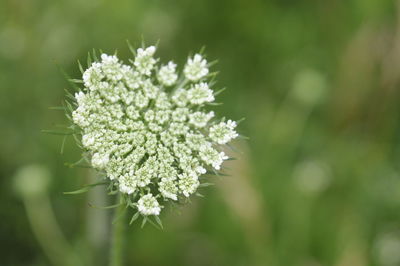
318 183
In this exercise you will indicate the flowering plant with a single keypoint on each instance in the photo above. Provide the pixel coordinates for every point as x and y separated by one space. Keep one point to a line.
146 127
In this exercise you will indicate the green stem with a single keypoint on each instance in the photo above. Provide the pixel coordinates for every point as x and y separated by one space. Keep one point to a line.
117 244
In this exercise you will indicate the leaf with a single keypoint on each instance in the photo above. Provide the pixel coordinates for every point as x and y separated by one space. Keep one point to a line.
243 137
233 148
206 184
76 80
85 188
78 141
241 120
63 144
131 47
214 62
55 132
158 220
156 225
89 60
134 218
94 53
73 164
61 108
69 127
213 76
105 207
67 77
144 222
202 49
219 91
80 67
217 173
79 191
212 172
143 42
214 104
81 166
69 95
157 44
222 174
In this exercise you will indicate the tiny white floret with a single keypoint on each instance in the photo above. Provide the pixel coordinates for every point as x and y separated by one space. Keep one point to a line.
148 205
196 68
167 75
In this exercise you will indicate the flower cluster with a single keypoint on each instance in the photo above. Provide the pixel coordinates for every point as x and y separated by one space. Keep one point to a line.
147 129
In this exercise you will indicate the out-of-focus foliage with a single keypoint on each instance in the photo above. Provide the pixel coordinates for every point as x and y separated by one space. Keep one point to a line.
318 182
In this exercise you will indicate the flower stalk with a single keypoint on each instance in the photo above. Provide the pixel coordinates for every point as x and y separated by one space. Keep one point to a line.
117 234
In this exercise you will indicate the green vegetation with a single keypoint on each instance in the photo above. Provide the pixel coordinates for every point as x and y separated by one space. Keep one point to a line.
317 183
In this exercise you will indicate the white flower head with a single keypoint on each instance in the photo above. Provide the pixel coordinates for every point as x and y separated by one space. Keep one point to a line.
100 160
148 205
92 76
212 157
168 189
200 93
200 119
180 97
188 184
152 142
127 184
88 140
111 67
196 68
223 132
144 61
167 75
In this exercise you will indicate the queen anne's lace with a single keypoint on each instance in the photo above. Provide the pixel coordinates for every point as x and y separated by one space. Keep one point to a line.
152 143
148 205
196 68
